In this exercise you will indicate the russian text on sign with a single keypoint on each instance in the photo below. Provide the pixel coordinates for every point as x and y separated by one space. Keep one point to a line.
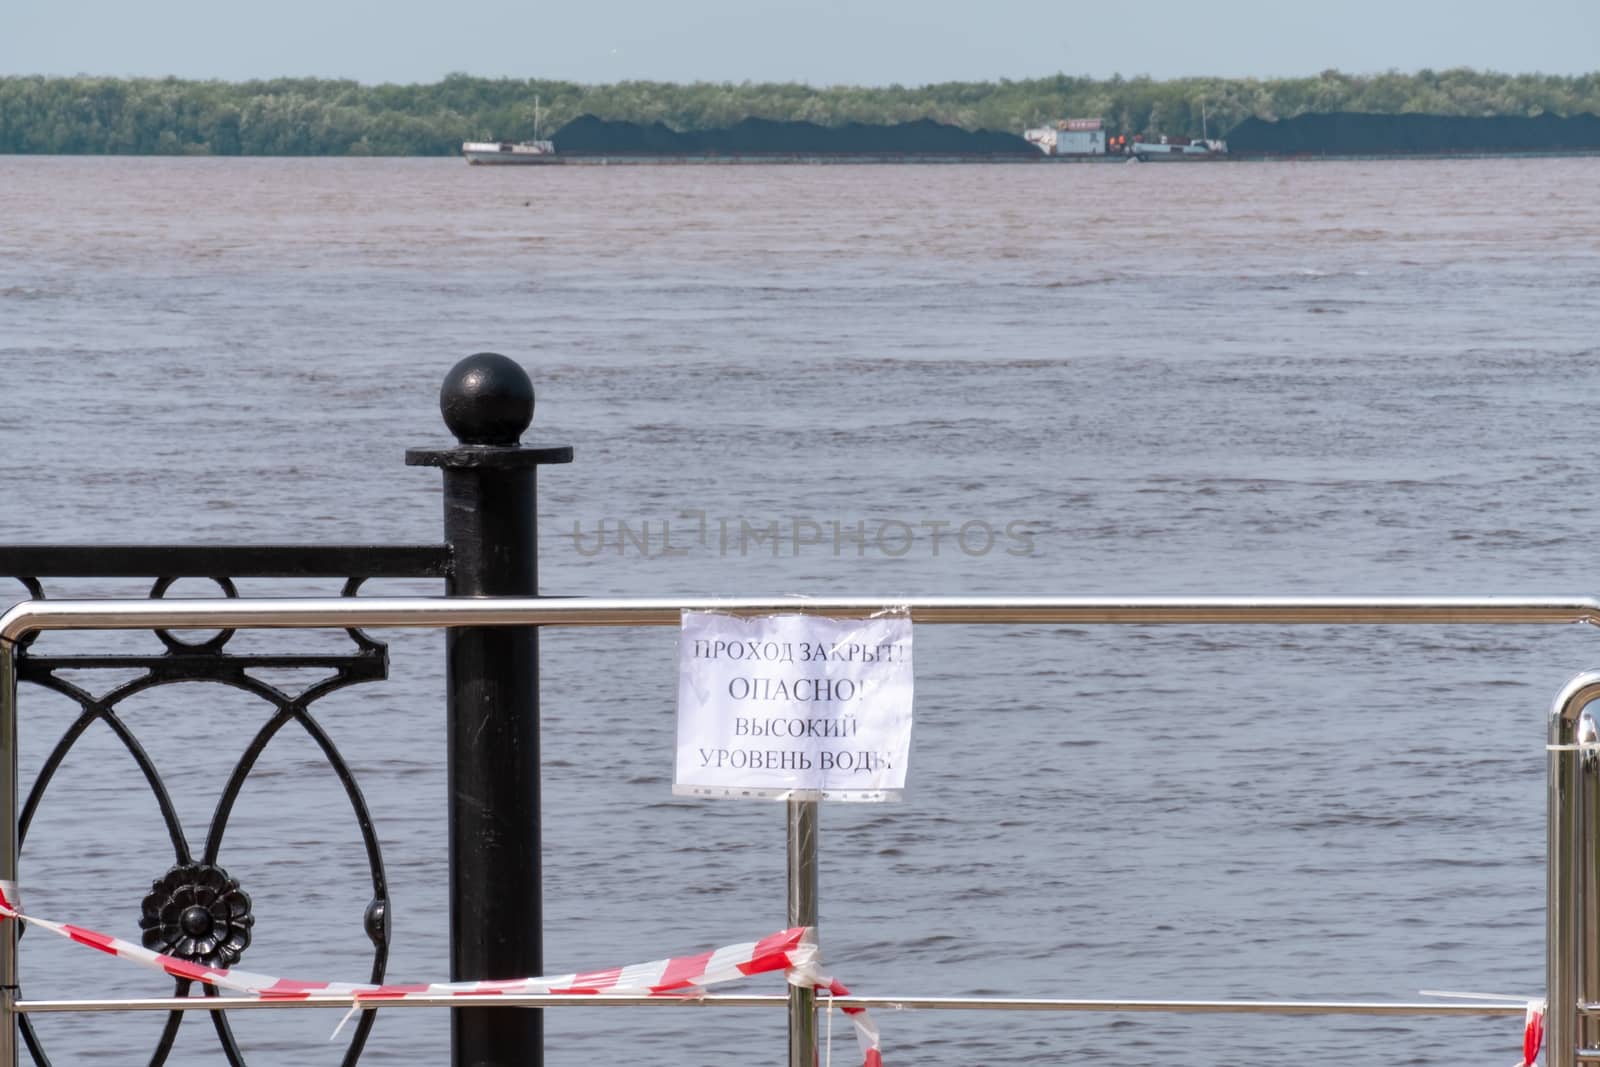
794 705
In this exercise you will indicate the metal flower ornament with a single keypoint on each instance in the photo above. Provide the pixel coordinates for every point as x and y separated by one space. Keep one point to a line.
197 912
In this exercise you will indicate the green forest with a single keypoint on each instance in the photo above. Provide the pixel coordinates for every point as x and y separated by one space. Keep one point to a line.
306 116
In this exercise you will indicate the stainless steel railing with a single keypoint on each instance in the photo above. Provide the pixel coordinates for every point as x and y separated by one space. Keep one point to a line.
773 1000
1573 883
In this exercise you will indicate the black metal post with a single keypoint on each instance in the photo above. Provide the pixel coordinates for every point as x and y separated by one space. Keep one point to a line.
496 903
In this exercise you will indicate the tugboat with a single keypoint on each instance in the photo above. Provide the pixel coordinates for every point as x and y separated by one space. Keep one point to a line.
1086 139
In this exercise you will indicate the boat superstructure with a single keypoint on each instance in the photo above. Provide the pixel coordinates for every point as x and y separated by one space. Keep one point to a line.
509 151
1087 138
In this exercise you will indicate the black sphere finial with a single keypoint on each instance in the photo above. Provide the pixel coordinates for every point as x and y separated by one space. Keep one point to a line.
487 399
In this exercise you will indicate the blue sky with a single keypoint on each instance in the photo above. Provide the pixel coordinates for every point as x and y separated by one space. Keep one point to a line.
868 42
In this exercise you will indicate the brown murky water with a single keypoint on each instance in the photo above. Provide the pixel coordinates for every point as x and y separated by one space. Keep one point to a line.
1270 378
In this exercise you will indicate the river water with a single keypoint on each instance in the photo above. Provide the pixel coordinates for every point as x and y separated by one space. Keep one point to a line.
1340 377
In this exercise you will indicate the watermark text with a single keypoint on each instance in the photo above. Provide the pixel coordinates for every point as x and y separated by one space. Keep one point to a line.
701 534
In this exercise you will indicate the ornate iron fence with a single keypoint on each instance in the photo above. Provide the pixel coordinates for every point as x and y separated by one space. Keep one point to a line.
195 909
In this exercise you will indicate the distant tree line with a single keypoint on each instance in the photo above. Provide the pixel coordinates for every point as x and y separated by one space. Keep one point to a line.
307 116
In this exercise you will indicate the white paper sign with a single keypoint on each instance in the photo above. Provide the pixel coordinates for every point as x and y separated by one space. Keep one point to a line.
793 705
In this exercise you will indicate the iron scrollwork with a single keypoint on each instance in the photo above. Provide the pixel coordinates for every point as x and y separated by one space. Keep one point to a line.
195 910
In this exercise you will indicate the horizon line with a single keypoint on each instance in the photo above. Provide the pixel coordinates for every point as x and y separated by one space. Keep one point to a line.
1114 78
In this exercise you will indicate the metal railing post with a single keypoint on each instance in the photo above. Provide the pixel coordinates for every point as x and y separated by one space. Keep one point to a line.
1566 932
802 842
1587 796
1561 979
492 679
8 849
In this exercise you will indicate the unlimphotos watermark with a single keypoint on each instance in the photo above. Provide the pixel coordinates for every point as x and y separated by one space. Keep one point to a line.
701 534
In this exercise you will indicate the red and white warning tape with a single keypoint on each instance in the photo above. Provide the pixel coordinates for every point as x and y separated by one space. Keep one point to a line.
1532 1033
793 951
1532 1018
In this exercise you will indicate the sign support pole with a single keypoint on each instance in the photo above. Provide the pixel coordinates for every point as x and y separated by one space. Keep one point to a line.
802 912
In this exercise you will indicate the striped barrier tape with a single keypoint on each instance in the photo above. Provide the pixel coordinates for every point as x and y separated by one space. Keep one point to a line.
793 951
1532 1033
1532 1018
